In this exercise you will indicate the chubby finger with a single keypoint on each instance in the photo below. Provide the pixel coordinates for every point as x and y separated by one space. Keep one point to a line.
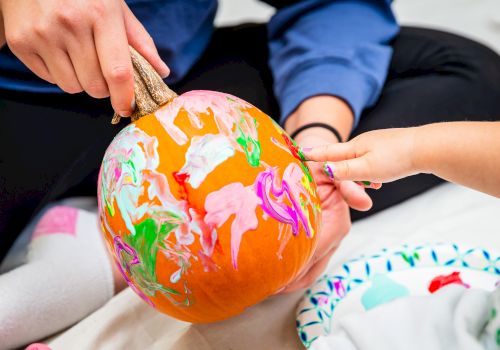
354 195
114 58
329 169
357 169
140 40
330 152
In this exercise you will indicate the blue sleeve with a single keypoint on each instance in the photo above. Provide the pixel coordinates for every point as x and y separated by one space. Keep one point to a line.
331 47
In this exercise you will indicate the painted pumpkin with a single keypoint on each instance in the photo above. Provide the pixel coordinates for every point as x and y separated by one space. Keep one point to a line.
205 203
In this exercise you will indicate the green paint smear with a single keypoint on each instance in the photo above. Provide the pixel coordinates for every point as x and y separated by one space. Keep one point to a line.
131 164
300 153
109 207
303 165
307 171
250 145
146 242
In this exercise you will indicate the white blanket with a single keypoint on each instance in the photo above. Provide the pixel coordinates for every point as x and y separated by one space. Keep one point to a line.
448 213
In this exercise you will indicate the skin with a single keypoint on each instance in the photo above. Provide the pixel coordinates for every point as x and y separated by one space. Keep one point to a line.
2 31
79 45
336 197
461 152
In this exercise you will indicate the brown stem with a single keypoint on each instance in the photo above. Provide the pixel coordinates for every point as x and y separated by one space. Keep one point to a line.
149 89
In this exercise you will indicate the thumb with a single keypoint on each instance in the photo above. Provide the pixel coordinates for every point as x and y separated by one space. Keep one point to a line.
140 40
354 195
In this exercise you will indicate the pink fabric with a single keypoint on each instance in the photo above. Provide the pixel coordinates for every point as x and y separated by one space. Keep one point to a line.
38 346
57 220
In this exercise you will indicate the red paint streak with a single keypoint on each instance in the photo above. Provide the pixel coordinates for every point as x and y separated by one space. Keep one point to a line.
440 281
181 179
291 146
198 216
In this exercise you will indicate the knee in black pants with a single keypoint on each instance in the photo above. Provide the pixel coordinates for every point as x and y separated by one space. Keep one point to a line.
461 57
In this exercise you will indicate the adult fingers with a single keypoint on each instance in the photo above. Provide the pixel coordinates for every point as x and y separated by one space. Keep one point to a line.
114 58
86 64
140 40
354 195
35 63
61 70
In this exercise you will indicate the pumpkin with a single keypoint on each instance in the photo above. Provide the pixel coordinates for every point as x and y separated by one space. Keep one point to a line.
204 202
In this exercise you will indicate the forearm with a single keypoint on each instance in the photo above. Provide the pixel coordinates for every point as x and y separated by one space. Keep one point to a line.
467 153
2 30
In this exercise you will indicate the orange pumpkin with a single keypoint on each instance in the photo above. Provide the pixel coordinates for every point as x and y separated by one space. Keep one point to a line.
205 203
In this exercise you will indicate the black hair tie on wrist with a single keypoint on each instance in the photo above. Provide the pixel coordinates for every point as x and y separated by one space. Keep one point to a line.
317 125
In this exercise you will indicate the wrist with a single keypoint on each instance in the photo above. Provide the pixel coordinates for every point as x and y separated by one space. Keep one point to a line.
422 154
329 110
314 137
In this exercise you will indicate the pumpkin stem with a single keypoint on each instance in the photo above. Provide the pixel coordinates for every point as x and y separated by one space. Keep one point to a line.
149 89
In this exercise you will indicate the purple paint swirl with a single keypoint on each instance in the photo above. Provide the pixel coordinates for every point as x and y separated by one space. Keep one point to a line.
265 185
122 247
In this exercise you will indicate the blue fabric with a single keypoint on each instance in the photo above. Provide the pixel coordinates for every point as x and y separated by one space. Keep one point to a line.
339 48
317 47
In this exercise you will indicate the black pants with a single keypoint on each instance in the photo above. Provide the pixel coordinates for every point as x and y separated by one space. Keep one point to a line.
51 145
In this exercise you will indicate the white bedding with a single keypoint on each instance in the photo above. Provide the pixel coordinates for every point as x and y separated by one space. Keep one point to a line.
448 213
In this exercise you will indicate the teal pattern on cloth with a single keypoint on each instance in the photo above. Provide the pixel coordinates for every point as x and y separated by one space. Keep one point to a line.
383 290
315 314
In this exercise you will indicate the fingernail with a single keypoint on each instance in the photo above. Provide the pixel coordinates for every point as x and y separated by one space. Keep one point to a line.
302 153
124 114
329 170
165 71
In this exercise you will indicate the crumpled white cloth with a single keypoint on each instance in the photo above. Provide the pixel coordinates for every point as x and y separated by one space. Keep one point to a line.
452 318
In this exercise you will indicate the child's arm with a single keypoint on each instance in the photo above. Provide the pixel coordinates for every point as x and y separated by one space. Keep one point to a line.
467 153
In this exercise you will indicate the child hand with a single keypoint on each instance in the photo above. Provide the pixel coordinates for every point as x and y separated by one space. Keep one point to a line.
376 156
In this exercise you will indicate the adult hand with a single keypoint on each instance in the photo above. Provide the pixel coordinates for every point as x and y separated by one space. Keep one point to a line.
335 197
80 45
2 30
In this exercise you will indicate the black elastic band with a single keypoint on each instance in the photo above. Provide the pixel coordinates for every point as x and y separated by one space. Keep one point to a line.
317 125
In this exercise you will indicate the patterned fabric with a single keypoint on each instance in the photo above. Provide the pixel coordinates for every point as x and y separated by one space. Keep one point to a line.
316 311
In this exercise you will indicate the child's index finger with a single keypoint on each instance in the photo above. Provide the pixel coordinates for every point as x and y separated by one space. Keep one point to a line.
330 152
